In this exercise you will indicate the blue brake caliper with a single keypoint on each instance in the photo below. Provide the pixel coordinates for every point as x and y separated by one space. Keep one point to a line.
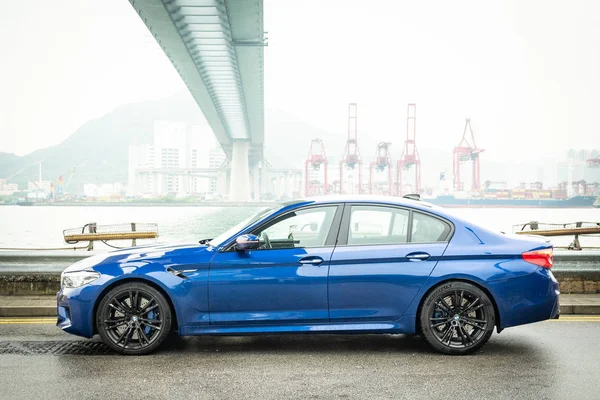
149 316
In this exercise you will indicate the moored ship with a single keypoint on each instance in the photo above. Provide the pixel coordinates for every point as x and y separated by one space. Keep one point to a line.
571 202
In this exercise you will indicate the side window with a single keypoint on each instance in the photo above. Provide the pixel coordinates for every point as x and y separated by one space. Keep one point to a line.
378 225
304 228
427 229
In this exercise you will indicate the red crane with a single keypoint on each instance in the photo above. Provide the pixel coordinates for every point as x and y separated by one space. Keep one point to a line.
316 158
351 155
382 161
594 162
410 154
467 150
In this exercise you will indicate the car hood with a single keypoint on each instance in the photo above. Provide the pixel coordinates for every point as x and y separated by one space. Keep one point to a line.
169 255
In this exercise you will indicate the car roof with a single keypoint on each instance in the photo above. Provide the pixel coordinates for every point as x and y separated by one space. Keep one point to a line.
366 199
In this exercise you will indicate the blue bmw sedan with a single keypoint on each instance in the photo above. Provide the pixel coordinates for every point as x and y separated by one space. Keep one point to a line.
322 265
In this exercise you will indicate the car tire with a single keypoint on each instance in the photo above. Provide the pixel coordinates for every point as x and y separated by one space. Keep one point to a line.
133 318
457 318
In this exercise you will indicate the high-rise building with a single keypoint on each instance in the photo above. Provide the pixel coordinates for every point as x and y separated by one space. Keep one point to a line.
216 159
166 167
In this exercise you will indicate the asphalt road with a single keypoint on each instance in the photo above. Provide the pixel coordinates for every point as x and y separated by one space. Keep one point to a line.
548 360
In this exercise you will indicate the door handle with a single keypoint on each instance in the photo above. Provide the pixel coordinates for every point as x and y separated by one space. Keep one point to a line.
418 256
310 261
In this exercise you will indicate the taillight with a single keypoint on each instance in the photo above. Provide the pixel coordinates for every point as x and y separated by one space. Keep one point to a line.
543 257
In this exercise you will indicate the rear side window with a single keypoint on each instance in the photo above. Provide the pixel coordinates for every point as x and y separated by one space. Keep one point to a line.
427 229
378 225
381 225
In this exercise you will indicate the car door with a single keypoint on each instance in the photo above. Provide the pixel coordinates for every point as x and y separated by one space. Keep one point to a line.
383 257
285 280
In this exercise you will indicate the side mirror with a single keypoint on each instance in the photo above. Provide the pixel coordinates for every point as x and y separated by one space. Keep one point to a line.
246 242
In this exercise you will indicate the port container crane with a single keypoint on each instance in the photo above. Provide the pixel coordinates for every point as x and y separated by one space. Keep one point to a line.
467 150
382 161
316 158
351 157
410 154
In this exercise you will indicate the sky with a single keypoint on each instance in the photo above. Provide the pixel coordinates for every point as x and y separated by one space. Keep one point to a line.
527 73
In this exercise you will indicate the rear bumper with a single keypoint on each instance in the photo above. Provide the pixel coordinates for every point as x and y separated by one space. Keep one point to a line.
526 299
556 310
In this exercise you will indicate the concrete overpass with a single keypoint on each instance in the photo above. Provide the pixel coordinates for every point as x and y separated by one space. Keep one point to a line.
268 180
217 47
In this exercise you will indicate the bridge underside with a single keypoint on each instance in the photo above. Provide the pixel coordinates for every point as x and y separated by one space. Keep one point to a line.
217 47
266 182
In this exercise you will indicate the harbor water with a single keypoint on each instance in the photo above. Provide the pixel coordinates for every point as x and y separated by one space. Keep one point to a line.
42 226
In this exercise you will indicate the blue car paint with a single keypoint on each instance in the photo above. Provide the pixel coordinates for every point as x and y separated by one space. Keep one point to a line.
377 282
269 286
221 292
188 296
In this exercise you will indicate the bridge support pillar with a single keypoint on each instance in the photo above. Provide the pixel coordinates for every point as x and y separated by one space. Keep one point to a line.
263 185
222 184
240 172
287 187
254 176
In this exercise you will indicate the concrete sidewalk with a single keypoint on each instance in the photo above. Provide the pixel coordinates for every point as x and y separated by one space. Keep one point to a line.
45 306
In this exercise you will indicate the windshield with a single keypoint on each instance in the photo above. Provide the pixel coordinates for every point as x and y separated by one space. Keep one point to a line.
217 241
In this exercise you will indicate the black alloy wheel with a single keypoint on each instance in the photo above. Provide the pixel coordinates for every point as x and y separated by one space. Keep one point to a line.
457 318
133 318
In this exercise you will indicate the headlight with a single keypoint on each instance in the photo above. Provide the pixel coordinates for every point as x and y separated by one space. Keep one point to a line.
78 278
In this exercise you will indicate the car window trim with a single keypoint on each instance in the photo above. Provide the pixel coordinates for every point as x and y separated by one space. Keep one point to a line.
344 230
409 227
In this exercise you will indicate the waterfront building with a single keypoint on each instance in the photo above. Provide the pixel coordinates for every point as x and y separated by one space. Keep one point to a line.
170 164
7 189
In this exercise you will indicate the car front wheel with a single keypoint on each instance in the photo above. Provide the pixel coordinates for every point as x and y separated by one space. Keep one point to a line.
133 318
457 318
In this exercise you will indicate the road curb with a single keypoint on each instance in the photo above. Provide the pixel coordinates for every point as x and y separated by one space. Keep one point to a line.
27 311
50 311
586 309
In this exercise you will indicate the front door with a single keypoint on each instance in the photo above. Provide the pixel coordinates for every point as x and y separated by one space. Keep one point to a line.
384 257
283 281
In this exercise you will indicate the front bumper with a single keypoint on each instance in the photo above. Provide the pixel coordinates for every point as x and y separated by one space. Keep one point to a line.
75 311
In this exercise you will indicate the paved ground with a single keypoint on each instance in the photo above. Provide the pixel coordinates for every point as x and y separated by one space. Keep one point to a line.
548 360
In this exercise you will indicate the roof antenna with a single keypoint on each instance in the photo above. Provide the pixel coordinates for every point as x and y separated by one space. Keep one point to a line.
412 196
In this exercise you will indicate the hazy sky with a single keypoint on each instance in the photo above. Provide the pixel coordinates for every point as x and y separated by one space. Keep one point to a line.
527 73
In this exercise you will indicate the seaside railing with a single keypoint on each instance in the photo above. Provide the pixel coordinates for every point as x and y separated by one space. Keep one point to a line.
104 233
574 229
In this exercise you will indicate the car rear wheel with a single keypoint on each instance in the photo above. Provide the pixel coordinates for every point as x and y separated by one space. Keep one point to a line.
133 318
457 318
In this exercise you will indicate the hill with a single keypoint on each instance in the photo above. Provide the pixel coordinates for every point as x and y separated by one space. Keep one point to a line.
99 148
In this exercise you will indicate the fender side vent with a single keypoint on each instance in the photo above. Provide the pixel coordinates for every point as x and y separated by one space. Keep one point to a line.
177 273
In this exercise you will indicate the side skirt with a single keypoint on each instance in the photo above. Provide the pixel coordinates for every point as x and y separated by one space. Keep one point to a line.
405 325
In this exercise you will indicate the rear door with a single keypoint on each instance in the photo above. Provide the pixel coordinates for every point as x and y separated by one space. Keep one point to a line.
383 257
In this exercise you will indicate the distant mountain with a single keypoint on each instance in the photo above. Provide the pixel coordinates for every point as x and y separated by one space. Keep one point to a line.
99 148
288 140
